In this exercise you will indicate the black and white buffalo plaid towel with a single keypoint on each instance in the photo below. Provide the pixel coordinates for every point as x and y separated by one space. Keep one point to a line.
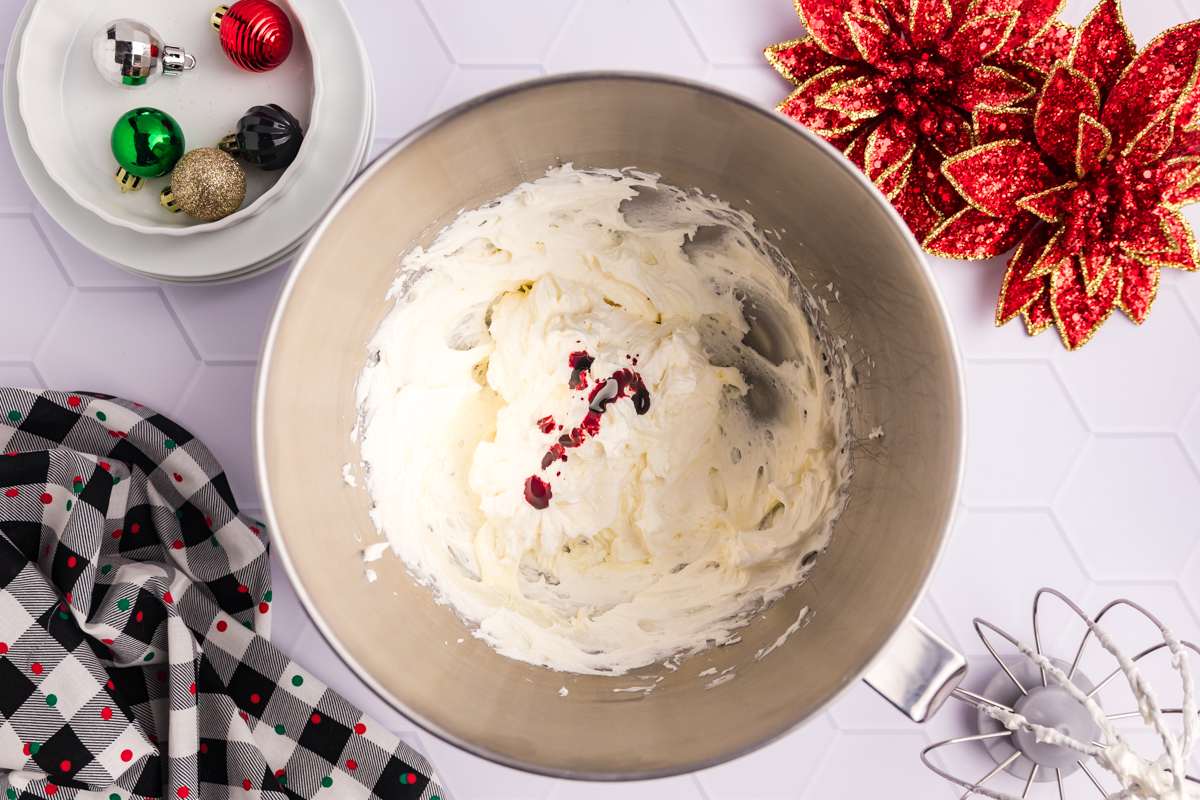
134 609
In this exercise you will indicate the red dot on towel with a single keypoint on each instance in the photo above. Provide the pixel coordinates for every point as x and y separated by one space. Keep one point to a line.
105 465
192 688
243 589
3 648
109 684
254 698
360 729
178 477
316 719
139 616
246 784
106 713
11 493
35 668
46 498
71 561
51 789
178 545
203 748
167 598
73 402
182 791
117 533
279 773
222 625
162 676
262 608
65 766
126 755
351 764
254 529
208 521
134 528
412 778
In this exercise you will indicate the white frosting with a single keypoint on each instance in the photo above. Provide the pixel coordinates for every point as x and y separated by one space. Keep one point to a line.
688 510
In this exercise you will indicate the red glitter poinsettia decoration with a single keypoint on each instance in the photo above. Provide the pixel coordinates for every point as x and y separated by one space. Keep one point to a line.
1093 183
900 85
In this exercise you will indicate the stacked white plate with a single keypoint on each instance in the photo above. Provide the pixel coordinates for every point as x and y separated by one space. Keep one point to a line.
265 234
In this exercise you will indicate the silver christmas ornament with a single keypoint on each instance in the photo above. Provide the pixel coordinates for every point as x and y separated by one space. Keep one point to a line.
131 53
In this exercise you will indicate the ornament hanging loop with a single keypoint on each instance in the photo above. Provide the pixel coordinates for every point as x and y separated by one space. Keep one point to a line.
175 60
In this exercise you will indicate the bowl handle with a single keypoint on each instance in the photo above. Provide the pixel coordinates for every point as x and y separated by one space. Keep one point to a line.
917 672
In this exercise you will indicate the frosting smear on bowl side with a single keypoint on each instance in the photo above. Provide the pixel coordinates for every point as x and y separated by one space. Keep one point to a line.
598 423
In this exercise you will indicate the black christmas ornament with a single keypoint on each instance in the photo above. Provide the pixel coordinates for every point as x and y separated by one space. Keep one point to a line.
267 137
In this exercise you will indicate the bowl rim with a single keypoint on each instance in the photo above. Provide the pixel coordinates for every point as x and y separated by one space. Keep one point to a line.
285 180
263 376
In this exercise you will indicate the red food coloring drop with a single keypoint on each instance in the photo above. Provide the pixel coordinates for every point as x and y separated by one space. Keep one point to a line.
360 729
106 713
46 499
35 668
580 363
222 625
545 425
11 493
73 402
537 492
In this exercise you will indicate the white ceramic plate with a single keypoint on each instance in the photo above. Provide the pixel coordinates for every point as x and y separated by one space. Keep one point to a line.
69 109
258 241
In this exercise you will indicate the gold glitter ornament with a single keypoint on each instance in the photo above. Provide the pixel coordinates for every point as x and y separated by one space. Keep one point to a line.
207 184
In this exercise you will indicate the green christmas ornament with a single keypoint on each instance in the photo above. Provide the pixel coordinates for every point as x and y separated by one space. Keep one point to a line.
146 143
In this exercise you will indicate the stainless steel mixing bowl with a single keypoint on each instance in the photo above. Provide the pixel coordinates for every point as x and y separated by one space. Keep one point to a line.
839 230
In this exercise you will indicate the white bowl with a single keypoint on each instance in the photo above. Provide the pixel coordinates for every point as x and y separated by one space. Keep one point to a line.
69 109
259 243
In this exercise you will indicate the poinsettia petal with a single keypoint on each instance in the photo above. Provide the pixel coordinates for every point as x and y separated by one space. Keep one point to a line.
857 99
927 174
972 235
995 124
1020 289
978 38
912 204
1139 286
1152 83
928 21
799 60
1103 46
1181 176
1094 264
1153 231
802 105
1152 142
826 23
1079 314
1049 204
888 147
1040 314
893 181
950 132
1093 144
989 85
857 148
1053 44
1068 93
872 37
1036 17
1183 253
993 177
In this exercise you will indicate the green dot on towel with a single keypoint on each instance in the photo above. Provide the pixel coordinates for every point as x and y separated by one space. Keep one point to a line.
280 730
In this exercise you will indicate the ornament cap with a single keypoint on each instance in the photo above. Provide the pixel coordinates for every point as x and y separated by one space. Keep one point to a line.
218 14
175 60
166 199
128 181
230 144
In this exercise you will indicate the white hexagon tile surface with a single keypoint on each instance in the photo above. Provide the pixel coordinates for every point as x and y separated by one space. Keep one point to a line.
1083 468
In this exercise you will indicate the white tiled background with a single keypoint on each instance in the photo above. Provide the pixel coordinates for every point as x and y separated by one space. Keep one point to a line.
1083 469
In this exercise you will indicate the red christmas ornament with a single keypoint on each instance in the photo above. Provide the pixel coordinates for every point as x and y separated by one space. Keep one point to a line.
255 34
900 85
1093 186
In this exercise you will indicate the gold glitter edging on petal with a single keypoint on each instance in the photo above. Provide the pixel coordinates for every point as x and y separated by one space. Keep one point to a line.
1011 16
974 151
1187 182
986 109
1024 206
1090 287
808 27
1096 327
1091 122
822 100
1008 271
1049 23
1042 266
1188 244
883 26
1172 110
771 52
1030 328
1139 53
893 193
